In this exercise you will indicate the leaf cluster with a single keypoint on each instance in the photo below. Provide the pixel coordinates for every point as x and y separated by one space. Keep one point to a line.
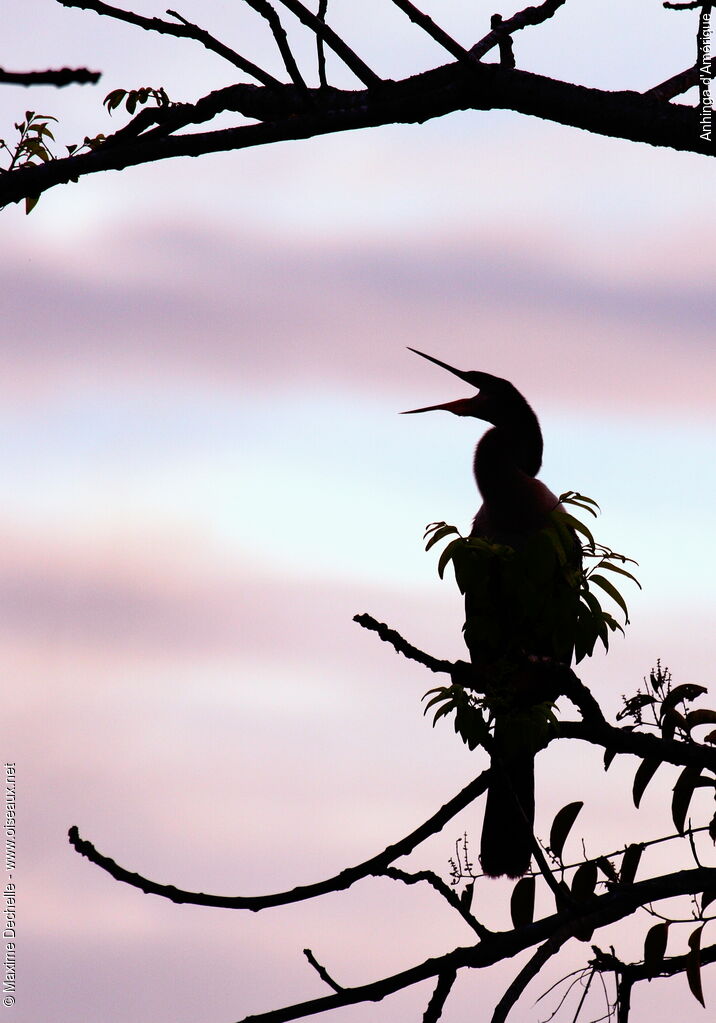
134 97
31 147
538 596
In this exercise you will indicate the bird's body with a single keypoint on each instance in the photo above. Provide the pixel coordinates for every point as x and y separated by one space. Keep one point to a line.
516 507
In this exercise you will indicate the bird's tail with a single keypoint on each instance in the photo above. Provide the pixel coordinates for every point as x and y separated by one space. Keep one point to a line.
506 843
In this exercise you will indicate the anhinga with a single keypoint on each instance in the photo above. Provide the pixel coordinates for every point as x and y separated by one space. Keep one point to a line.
515 507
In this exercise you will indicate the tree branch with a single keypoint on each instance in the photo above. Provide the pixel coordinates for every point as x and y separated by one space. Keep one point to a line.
361 70
185 30
449 894
374 866
640 744
675 85
401 646
65 76
523 19
266 11
434 31
414 100
321 971
530 970
601 911
435 1006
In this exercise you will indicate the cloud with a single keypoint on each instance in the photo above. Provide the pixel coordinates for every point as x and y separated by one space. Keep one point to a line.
166 302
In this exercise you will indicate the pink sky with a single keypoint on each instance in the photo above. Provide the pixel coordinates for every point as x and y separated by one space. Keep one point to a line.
206 477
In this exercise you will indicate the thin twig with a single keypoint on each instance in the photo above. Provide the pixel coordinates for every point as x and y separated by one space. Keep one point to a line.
401 646
449 894
339 882
530 970
339 47
320 46
587 986
605 909
676 85
60 78
434 31
322 971
185 30
523 19
264 8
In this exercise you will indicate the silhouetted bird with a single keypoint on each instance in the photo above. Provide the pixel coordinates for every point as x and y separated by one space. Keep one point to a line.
516 508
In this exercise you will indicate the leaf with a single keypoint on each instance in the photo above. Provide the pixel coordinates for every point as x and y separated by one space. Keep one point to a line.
655 945
441 712
611 589
439 534
635 703
576 525
683 791
687 691
711 738
30 203
113 99
609 755
447 556
607 868
700 717
436 699
644 773
573 497
693 965
671 720
622 571
585 881
630 862
522 903
712 829
562 825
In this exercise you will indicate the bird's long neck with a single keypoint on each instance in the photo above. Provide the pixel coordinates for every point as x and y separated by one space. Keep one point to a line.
510 450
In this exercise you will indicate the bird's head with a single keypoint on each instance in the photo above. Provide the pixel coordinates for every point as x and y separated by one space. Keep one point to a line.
496 400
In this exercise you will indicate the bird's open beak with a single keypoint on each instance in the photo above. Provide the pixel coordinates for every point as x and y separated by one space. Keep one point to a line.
461 407
444 365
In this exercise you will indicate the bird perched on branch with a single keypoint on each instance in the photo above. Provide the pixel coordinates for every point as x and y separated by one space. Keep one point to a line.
521 600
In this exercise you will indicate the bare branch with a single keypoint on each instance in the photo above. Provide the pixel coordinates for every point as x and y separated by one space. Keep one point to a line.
640 744
523 19
606 962
185 30
530 970
434 31
339 47
266 11
507 54
448 893
65 76
321 971
602 910
433 93
435 1006
374 866
320 47
675 85
401 646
